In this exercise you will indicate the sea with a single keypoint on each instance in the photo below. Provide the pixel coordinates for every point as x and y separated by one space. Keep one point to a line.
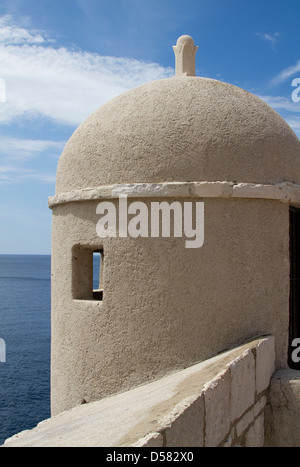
25 304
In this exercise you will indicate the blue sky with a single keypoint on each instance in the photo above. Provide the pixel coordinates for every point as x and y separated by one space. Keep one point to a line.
61 59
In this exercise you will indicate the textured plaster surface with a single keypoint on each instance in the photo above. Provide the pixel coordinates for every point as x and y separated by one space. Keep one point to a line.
180 129
164 307
283 410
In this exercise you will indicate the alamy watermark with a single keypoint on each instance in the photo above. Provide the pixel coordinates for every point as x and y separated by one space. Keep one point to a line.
161 219
295 356
2 351
2 90
296 92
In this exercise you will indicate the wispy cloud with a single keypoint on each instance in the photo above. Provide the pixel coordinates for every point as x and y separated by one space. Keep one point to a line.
285 107
287 73
294 122
272 39
16 154
61 84
11 34
14 174
26 149
281 103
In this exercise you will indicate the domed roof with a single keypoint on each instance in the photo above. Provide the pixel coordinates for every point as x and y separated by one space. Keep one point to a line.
181 129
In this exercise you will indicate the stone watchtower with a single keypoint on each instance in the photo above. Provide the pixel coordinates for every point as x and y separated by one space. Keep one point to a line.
161 306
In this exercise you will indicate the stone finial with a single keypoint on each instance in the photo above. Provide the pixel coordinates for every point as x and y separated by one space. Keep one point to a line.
185 53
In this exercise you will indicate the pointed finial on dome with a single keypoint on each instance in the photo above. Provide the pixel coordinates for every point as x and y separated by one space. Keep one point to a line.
185 53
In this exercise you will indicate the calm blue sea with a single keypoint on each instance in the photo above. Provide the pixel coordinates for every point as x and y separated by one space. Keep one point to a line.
25 326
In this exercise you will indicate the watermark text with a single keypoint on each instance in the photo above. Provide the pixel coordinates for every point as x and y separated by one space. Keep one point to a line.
2 90
161 219
296 92
2 351
296 353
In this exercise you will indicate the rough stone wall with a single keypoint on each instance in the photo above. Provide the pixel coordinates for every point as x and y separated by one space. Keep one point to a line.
229 411
283 410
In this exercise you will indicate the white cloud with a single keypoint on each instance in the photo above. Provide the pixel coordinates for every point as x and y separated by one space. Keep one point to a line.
294 123
281 103
284 106
15 174
25 149
12 34
272 39
45 81
61 84
42 177
15 154
286 73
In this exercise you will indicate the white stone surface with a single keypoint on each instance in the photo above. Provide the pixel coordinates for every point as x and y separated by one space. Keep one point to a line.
242 372
285 192
153 440
265 363
249 416
217 409
229 440
255 435
185 425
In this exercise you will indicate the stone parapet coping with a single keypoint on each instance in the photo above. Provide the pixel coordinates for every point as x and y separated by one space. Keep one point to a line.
285 192
218 402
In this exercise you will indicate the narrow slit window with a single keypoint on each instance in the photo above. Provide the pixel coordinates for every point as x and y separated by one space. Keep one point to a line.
294 325
98 266
87 273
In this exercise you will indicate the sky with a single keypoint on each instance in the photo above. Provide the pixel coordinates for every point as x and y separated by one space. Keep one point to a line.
62 59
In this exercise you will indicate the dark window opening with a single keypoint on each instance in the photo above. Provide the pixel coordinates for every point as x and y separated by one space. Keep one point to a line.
87 273
98 264
294 325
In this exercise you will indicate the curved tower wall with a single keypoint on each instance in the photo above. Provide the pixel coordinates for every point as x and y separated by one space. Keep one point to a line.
164 306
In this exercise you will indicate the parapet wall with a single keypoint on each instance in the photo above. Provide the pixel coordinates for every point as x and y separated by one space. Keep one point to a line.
219 402
229 410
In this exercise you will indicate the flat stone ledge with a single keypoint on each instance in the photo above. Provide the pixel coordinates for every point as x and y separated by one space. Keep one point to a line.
286 192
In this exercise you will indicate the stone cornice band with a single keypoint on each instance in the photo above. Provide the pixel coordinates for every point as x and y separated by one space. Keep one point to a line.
285 192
